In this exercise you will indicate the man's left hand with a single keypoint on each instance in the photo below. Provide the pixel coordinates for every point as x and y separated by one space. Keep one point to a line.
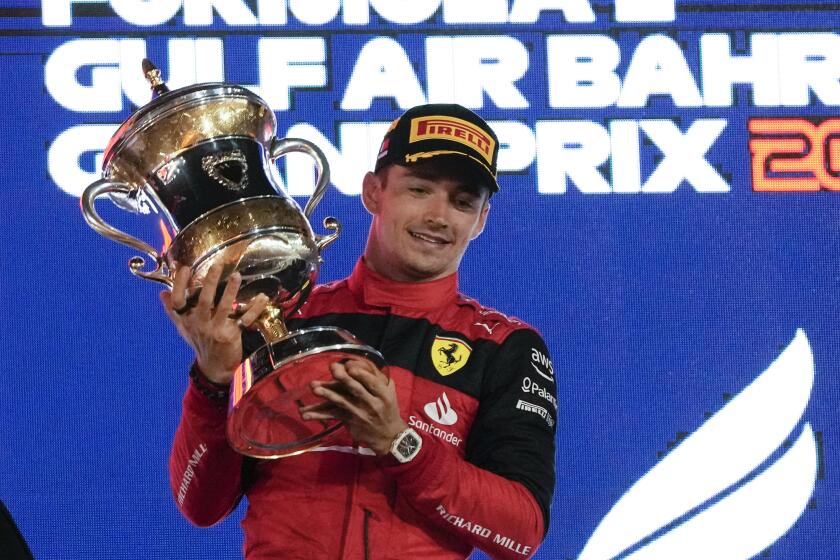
362 396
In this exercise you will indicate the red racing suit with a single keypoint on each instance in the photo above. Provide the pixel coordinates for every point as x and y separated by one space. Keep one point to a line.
477 386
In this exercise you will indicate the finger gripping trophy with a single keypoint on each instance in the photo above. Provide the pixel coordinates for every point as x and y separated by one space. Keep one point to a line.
202 156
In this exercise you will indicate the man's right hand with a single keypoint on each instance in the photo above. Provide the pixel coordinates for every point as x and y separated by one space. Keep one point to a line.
210 329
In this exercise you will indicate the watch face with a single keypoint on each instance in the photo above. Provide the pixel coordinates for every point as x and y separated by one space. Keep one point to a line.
407 445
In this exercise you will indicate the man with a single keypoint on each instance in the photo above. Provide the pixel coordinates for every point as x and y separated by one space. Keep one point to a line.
454 448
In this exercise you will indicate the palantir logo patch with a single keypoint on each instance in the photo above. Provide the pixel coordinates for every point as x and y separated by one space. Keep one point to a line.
703 479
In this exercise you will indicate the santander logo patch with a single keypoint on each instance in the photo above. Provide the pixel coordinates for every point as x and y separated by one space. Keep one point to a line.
441 411
734 486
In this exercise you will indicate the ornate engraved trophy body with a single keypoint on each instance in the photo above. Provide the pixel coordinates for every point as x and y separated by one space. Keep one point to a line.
202 156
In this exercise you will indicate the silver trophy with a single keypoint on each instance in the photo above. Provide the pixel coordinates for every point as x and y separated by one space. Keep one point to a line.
202 157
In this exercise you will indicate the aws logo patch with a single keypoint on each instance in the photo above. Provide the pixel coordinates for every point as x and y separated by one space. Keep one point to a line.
449 354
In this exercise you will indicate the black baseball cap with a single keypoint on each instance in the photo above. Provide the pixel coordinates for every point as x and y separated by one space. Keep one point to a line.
438 129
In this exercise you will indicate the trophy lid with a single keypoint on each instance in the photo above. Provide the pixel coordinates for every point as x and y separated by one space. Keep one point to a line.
181 118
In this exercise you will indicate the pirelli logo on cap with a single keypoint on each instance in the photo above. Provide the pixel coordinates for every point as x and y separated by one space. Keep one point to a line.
439 127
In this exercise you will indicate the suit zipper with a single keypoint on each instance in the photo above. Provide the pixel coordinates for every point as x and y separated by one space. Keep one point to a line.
368 515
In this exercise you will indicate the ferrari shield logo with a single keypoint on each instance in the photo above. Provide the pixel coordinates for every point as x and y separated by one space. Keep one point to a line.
449 354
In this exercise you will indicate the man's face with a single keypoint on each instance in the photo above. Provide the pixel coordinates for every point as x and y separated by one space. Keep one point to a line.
422 222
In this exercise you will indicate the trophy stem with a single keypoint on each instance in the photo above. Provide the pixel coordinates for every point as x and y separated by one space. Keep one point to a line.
271 325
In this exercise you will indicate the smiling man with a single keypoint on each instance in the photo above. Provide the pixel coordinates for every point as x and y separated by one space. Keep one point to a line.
453 449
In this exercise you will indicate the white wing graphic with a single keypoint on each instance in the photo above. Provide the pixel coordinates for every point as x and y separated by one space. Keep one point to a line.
749 520
727 447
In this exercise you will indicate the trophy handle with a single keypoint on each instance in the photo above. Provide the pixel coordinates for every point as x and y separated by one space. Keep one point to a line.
282 146
322 241
95 221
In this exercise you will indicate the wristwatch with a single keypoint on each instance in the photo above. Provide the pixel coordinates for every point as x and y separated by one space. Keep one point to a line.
406 445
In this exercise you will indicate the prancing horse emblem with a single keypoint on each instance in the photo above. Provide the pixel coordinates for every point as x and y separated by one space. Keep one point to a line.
449 354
